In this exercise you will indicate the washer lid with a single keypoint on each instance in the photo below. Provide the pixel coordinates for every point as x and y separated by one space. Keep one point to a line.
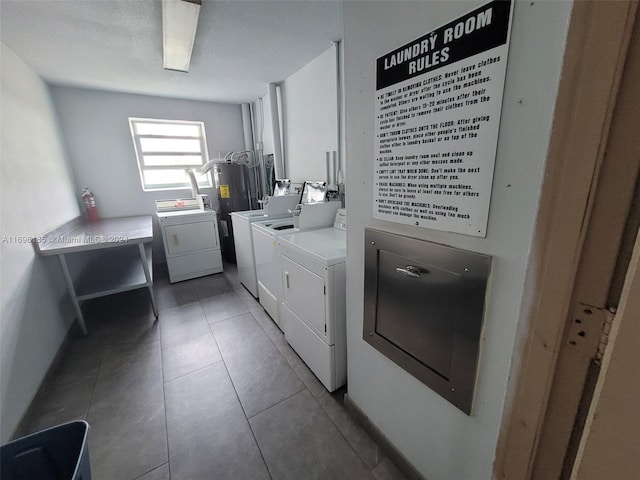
250 214
327 245
260 216
276 226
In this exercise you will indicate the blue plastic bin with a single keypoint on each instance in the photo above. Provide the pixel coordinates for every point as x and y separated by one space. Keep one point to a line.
57 453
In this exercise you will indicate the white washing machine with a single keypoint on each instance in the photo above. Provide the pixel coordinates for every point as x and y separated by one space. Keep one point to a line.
243 238
265 249
313 309
267 262
274 207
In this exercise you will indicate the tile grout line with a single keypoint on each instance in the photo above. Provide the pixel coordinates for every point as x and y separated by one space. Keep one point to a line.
151 470
170 310
349 443
225 319
378 460
271 340
199 369
103 346
241 406
279 402
164 397
217 294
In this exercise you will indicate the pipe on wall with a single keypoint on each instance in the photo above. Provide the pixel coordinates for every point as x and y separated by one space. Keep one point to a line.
246 126
340 172
257 124
278 160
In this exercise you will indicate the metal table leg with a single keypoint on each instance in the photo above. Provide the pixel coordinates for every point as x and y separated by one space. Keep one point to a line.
147 273
72 292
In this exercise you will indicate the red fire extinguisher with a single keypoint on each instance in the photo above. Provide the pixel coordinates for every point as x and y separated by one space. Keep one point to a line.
90 205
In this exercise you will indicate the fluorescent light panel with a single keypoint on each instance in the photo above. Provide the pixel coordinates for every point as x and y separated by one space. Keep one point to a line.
179 24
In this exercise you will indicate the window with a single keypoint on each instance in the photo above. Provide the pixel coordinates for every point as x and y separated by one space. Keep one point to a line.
165 149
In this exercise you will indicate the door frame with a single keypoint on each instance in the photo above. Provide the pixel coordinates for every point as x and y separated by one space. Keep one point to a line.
595 54
609 446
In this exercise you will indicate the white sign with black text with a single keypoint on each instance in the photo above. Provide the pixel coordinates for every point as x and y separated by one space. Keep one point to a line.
438 105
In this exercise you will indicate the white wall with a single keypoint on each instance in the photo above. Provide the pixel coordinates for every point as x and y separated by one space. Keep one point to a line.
95 126
310 107
437 438
37 194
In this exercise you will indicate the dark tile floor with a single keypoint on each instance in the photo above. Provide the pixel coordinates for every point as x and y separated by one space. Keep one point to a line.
210 391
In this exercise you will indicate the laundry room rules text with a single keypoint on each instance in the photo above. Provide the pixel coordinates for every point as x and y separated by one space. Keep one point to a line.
437 115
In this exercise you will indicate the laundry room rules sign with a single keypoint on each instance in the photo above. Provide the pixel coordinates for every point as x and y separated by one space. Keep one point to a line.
437 115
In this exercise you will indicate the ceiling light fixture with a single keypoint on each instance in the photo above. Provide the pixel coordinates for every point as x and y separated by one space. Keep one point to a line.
179 23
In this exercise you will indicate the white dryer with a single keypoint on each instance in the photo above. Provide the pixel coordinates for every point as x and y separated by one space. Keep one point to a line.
313 309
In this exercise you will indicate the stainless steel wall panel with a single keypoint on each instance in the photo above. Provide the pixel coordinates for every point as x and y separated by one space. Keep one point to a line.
424 306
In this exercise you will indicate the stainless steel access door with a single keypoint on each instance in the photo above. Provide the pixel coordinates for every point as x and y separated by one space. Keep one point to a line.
424 308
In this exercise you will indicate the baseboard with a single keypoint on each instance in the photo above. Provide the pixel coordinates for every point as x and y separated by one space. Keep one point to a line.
383 442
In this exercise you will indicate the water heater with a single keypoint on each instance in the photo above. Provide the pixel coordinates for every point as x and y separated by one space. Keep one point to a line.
234 194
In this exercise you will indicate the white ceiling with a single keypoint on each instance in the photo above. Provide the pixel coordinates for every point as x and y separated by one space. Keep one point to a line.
116 45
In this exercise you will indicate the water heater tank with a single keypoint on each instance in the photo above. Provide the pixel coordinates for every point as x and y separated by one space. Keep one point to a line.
232 185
